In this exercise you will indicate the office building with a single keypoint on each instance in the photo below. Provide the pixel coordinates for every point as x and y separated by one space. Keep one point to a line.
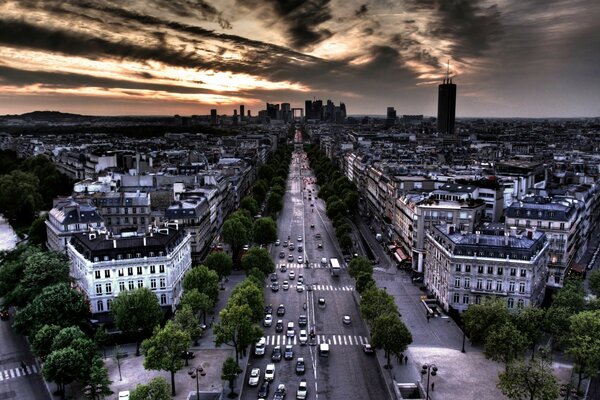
446 106
213 116
242 108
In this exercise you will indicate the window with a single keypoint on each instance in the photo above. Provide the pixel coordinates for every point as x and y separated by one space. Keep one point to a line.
120 271
467 283
96 259
161 269
467 268
465 299
153 283
490 270
98 288
130 271
498 286
457 268
100 305
131 285
121 286
163 283
523 272
520 303
140 283
108 288
139 270
511 287
152 269
477 299
107 273
480 269
97 274
513 272
488 284
528 223
562 226
456 298
479 284
457 282
142 220
500 271
138 255
522 287
163 299
108 304
511 302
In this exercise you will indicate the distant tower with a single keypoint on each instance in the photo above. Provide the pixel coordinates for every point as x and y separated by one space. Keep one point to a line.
242 112
446 104
390 118
213 116
308 105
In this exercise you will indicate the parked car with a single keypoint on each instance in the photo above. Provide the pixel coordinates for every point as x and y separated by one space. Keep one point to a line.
300 366
254 377
302 391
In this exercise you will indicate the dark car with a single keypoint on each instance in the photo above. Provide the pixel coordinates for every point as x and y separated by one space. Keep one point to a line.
300 366
187 355
276 354
4 315
289 352
281 310
282 268
280 392
302 321
279 326
264 390
269 309
275 287
273 277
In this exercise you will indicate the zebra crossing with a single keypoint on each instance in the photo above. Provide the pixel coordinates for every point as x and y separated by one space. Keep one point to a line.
303 266
335 340
17 372
321 288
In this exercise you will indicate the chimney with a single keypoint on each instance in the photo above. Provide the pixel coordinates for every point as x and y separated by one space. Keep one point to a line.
513 231
114 243
506 236
450 229
477 234
529 234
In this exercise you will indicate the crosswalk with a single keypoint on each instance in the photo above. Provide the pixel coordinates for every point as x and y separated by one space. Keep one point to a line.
17 372
321 288
335 340
303 266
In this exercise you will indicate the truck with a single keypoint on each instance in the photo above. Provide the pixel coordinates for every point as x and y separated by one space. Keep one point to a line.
335 267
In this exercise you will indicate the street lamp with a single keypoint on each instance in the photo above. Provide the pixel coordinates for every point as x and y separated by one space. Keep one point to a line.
195 373
93 391
463 344
429 370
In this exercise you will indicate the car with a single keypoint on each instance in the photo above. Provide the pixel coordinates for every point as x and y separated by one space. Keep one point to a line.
281 310
288 354
291 258
282 254
273 277
187 355
292 275
124 395
312 226
254 377
280 392
4 315
300 366
275 287
367 348
282 268
279 326
290 330
277 242
302 391
301 277
259 348
299 238
309 287
312 205
285 243
300 248
263 392
285 285
319 245
269 372
318 236
300 259
269 309
268 320
346 319
291 247
276 354
321 302
302 321
300 287
246 247
303 337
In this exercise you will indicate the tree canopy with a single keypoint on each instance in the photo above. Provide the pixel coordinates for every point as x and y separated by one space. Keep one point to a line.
220 262
391 335
249 203
236 328
230 372
505 343
583 342
482 318
376 302
359 265
529 381
247 292
265 231
203 279
155 389
258 258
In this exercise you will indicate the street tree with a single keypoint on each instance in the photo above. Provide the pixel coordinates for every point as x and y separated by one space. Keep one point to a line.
247 292
279 180
531 380
43 339
57 304
391 335
66 336
37 231
43 269
260 190
236 328
220 262
359 265
98 379
530 321
274 203
257 276
229 373
505 343
203 279
571 296
556 323
265 231
137 313
19 196
199 302
163 350
364 281
351 201
187 321
346 242
335 208
265 172
258 258
482 318
235 235
155 389
376 302
583 343
594 282
63 367
249 203
12 270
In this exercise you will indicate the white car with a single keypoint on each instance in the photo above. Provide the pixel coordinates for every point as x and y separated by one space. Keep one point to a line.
299 238
259 348
277 242
270 372
285 285
290 330
303 337
300 259
124 395
254 377
300 287
346 319
268 320
302 390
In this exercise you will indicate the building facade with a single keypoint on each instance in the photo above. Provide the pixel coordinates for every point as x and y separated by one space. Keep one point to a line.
67 218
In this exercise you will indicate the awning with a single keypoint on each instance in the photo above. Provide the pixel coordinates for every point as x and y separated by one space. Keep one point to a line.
579 268
397 257
399 254
391 247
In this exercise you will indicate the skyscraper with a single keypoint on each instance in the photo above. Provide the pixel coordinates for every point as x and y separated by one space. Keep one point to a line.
390 119
446 106
213 116
242 112
308 105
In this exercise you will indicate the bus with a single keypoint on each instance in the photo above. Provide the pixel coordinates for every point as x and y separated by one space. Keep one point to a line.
335 267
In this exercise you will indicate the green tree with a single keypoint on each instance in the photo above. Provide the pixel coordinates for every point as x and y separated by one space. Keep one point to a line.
260 190
220 262
258 258
376 302
346 242
529 381
505 343
583 343
530 321
12 270
63 367
19 196
163 350
351 201
249 203
98 379
43 339
247 292
570 296
265 172
187 321
482 318
155 389
265 231
257 276
391 335
594 282
235 235
203 279
37 231
236 328
199 302
335 208
42 269
57 304
364 281
359 265
275 203
229 373
137 313
66 337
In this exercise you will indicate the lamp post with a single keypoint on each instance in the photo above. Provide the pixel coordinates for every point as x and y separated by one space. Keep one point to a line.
429 370
195 373
93 390
463 344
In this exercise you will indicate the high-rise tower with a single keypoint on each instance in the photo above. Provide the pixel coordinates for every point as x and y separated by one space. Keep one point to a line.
446 105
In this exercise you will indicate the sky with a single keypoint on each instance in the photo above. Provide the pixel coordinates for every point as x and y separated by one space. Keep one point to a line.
509 58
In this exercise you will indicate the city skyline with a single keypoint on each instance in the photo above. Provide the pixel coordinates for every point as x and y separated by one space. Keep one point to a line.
159 57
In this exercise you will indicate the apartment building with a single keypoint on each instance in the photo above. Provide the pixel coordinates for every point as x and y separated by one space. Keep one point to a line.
67 218
193 215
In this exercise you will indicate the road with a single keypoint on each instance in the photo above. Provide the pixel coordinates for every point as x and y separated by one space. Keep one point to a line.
348 373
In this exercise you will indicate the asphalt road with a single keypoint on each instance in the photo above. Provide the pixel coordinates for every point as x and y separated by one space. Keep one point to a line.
348 373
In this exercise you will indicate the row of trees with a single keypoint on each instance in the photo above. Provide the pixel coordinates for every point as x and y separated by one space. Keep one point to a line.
506 336
340 195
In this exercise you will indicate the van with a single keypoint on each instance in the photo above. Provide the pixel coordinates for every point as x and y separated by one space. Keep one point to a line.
324 350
